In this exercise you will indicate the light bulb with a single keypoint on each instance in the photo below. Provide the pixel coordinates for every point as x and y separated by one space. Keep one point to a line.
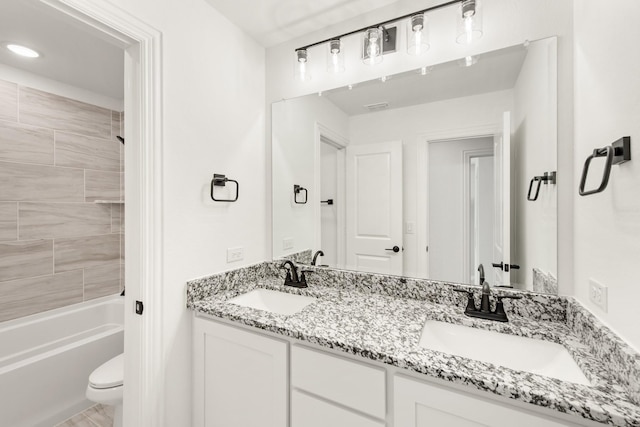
372 46
469 22
301 65
335 56
417 36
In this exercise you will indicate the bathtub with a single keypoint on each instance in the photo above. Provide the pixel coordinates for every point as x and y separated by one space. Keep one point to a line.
46 359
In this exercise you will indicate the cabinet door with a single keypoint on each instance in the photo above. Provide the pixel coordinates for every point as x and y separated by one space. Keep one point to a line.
240 377
309 411
418 404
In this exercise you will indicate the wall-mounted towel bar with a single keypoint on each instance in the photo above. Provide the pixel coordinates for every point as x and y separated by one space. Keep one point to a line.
616 153
297 190
547 178
328 201
220 180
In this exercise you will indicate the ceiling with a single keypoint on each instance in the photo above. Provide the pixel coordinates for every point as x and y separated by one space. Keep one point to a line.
496 70
70 54
271 22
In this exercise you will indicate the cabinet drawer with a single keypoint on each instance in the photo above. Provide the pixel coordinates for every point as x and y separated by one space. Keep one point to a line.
347 382
308 411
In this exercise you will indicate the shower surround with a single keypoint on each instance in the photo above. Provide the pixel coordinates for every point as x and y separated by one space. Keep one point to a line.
58 246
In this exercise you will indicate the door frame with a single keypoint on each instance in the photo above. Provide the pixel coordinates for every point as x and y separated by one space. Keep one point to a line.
142 44
341 143
422 187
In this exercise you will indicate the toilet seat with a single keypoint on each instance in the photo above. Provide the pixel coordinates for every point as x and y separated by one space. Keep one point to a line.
108 375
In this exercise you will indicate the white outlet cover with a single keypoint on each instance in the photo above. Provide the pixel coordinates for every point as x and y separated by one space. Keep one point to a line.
598 294
235 254
287 243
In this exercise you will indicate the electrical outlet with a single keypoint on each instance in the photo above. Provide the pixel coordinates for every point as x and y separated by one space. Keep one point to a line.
235 254
410 227
598 294
287 243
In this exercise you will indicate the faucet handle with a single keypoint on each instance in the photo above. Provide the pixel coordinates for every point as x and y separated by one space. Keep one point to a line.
500 306
501 297
303 278
471 304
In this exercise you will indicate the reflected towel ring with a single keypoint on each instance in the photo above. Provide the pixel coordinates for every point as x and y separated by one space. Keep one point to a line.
616 153
220 180
297 189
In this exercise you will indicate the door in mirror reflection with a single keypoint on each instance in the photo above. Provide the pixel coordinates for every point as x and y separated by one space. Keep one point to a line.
374 207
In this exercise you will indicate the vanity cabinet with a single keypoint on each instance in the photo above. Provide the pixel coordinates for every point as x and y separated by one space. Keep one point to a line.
421 404
240 377
244 378
329 390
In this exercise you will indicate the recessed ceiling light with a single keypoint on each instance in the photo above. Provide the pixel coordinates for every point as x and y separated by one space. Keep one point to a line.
22 50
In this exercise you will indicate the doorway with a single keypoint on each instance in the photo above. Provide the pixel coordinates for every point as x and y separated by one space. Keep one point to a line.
460 208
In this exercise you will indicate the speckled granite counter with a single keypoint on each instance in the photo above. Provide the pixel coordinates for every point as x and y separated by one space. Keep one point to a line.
381 318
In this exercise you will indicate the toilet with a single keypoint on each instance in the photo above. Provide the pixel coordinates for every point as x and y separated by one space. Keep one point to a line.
106 385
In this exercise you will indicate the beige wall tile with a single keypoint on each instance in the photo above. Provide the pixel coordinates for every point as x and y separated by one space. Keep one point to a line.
100 185
33 295
116 218
56 112
54 220
19 260
101 281
8 221
116 122
8 101
78 151
26 144
84 252
37 182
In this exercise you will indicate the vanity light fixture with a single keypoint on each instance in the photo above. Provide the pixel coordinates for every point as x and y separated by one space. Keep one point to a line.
417 35
335 56
469 22
302 66
372 48
22 50
379 39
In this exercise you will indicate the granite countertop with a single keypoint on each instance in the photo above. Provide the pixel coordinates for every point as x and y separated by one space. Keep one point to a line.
387 329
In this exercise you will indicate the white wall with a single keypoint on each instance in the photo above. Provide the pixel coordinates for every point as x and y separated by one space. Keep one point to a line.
607 107
534 151
414 125
506 22
213 122
293 153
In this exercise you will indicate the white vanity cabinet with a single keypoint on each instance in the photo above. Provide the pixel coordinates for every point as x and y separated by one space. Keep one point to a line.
422 404
240 377
329 390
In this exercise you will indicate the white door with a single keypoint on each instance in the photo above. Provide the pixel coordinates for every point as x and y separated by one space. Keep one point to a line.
374 207
502 197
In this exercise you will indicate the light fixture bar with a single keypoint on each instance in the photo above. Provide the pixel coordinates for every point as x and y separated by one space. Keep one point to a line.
381 24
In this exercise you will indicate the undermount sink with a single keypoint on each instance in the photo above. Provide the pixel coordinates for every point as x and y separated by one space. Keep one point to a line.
273 301
511 351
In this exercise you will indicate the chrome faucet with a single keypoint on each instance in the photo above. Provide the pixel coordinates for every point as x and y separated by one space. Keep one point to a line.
316 255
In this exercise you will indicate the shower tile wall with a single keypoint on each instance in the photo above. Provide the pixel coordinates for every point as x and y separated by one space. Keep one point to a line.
57 245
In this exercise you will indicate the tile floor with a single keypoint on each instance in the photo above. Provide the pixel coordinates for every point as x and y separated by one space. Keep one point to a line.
96 416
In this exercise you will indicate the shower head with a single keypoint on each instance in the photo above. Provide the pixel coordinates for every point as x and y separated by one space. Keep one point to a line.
120 138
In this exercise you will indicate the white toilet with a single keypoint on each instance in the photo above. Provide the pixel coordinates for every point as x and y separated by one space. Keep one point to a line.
106 385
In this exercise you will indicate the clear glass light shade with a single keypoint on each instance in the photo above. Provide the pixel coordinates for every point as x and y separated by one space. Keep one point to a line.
301 65
335 56
372 46
417 35
469 26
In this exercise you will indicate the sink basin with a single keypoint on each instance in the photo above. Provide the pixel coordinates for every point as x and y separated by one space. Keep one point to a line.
273 301
515 352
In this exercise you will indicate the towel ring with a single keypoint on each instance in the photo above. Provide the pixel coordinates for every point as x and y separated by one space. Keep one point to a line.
616 153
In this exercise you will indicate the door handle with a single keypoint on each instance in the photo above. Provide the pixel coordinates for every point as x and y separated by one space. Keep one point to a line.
394 249
505 267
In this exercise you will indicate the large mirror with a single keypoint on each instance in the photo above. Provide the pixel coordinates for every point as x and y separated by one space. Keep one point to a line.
428 173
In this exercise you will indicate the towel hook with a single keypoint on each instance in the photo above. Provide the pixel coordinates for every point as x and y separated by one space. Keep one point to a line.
220 180
616 153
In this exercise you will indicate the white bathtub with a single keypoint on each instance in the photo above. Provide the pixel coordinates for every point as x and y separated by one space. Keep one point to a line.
46 359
